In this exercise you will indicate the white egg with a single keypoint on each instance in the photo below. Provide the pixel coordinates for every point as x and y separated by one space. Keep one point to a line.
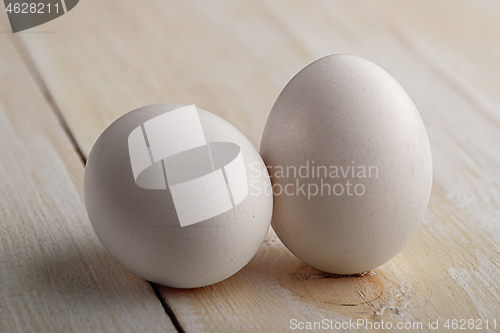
357 133
167 190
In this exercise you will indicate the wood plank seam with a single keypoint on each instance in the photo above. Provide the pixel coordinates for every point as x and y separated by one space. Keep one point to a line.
28 61
167 308
35 73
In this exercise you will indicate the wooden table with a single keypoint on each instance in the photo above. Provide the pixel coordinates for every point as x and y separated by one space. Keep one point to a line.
63 82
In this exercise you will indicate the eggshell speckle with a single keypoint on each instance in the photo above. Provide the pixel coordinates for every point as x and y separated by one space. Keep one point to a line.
140 226
351 117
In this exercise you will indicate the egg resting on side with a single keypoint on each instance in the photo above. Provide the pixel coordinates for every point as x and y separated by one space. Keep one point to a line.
140 228
344 111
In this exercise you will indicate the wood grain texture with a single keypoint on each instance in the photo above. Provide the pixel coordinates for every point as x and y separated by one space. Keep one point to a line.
54 274
233 58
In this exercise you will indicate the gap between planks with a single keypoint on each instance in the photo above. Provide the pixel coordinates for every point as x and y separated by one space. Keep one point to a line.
40 83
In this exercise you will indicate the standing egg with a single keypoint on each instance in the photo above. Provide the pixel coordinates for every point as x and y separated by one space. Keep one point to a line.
350 164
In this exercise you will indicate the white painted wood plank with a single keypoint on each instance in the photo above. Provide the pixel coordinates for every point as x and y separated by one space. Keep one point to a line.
54 274
233 58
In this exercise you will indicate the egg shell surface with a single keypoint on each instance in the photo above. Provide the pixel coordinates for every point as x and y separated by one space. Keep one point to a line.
350 116
140 228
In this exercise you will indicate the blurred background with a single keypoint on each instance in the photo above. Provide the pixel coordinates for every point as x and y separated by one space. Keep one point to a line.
234 57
